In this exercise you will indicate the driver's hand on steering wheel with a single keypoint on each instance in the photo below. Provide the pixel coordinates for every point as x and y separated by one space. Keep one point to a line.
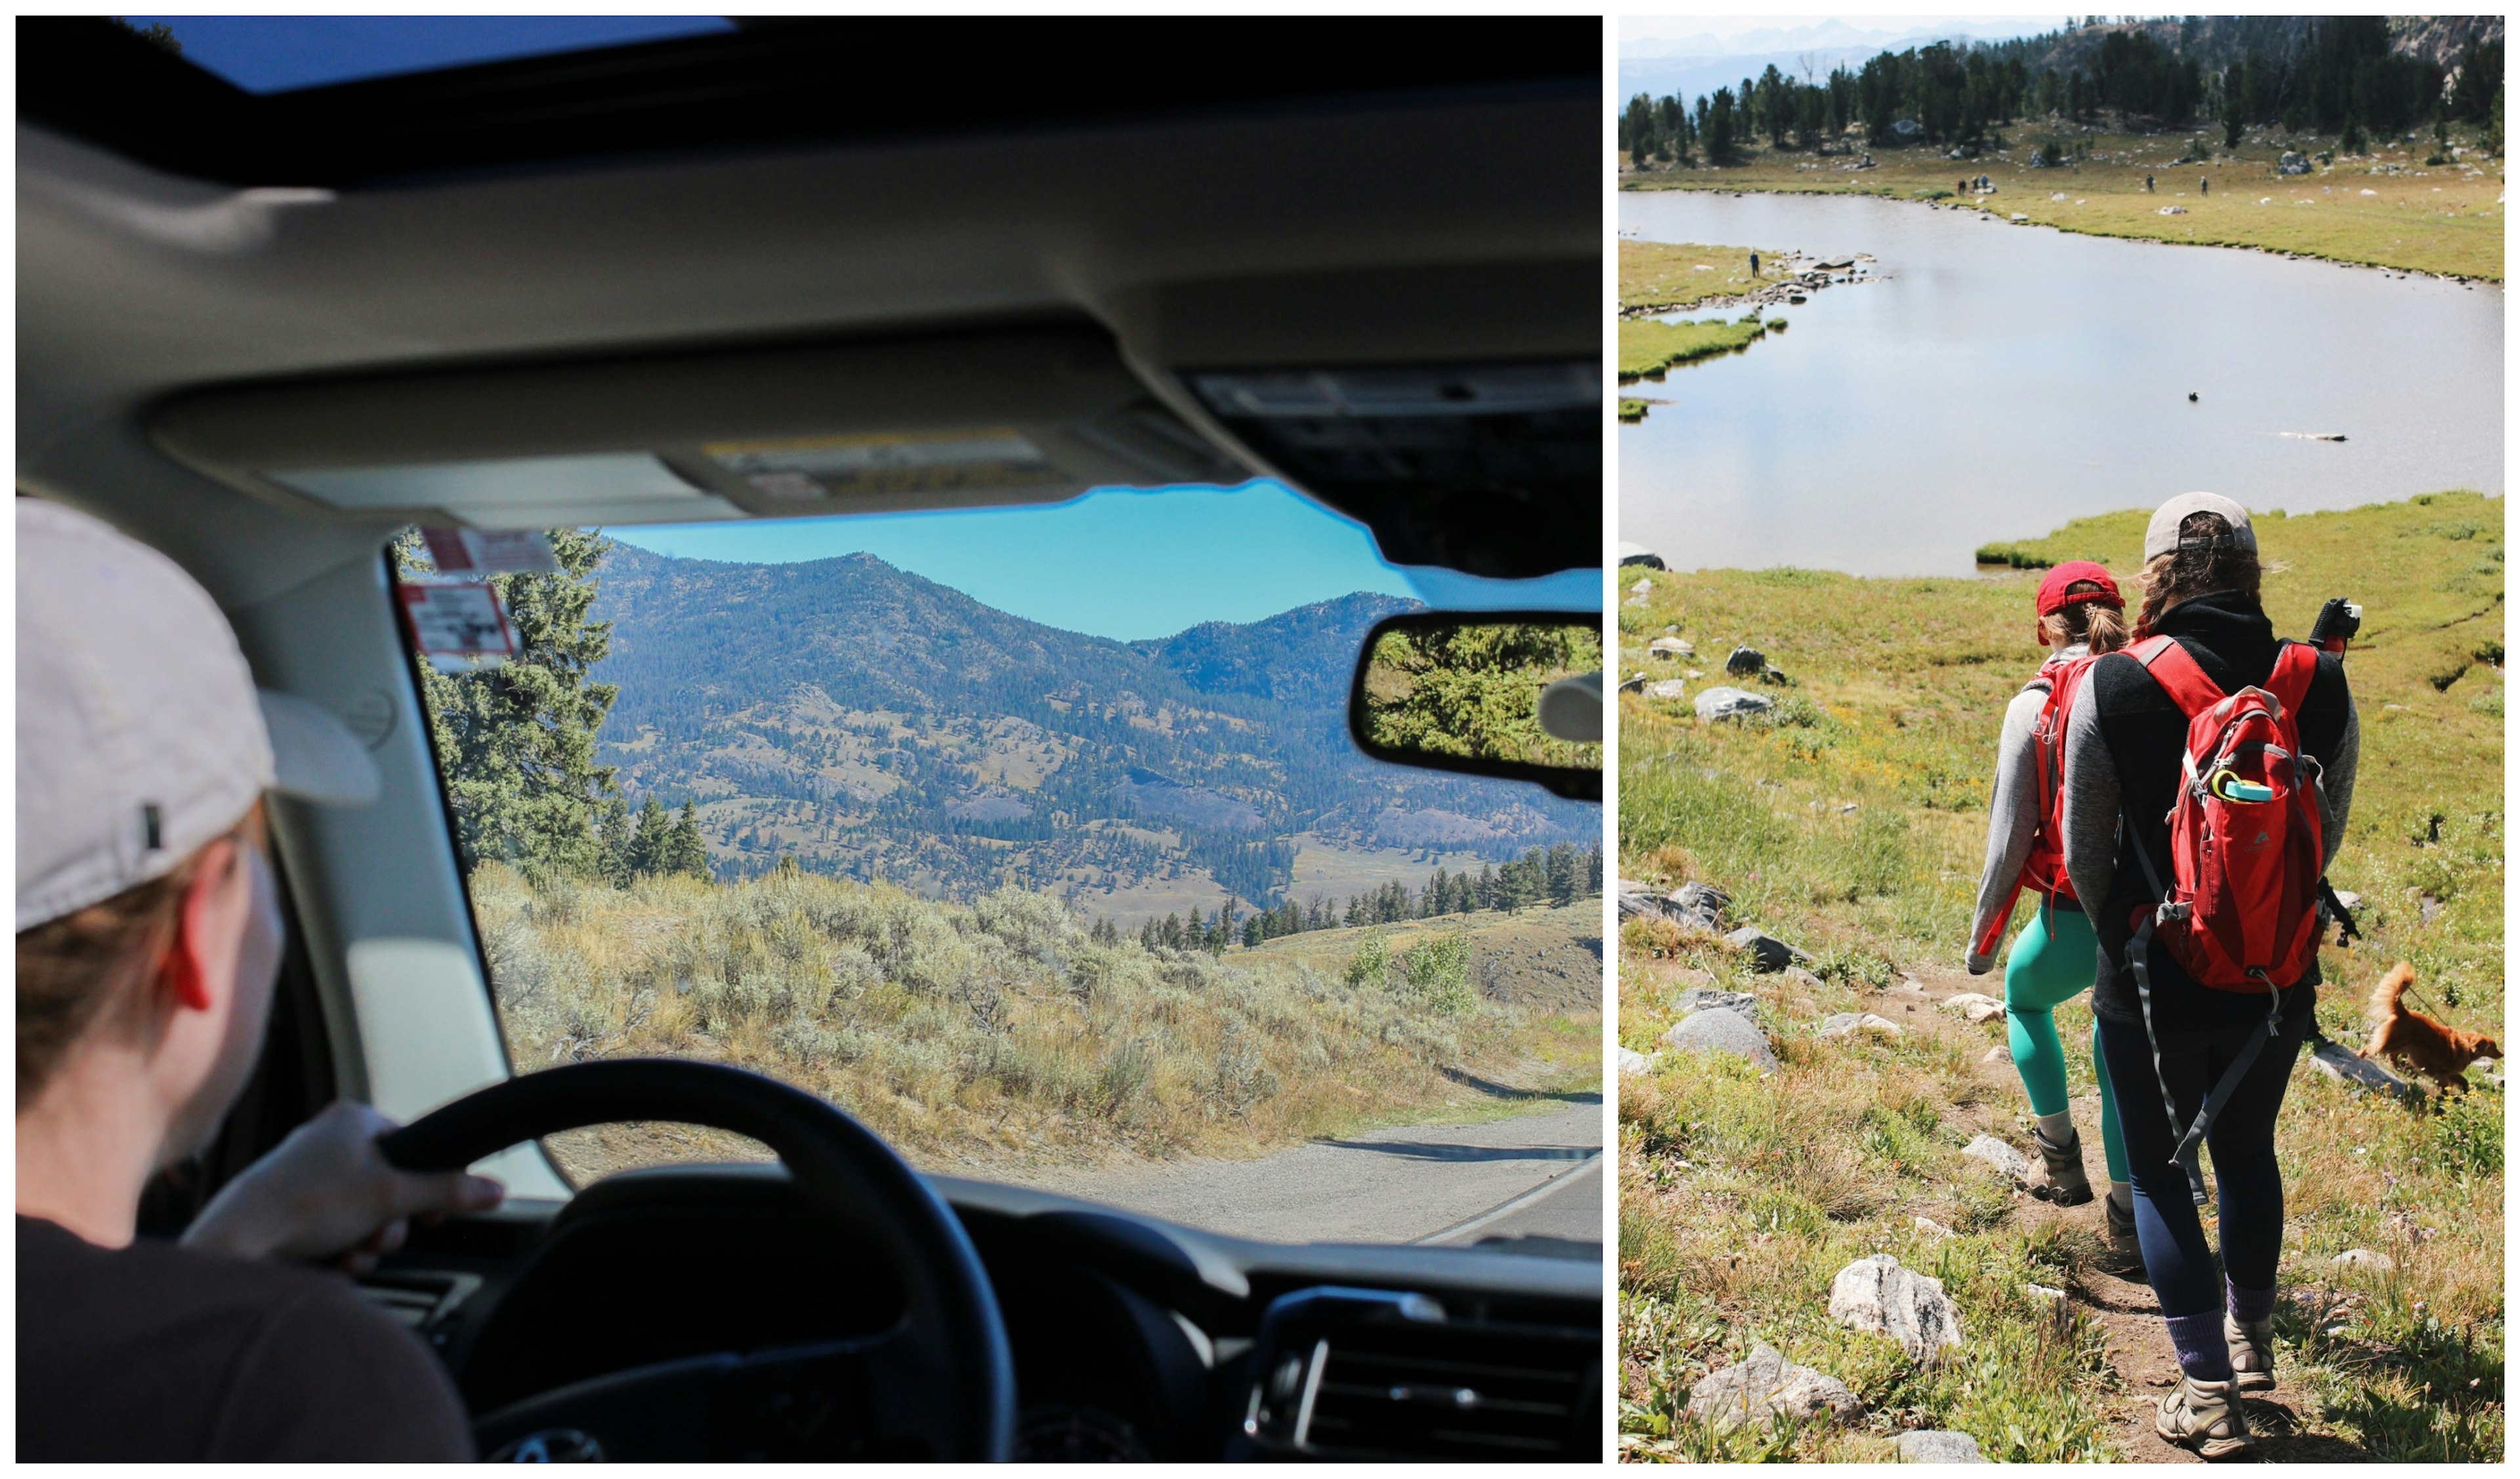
327 1195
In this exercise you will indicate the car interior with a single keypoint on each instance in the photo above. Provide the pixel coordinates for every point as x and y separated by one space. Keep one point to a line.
265 331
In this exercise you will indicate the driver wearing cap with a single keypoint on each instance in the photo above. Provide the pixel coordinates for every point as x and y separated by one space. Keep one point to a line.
148 942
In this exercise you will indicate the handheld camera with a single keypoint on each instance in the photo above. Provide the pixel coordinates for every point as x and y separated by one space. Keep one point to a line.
2337 622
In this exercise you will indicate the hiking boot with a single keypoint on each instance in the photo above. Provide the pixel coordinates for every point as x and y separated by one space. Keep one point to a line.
2121 1256
2253 1352
2205 1416
2060 1179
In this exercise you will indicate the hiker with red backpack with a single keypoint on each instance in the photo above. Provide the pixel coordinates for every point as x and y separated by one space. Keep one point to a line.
2081 618
2209 772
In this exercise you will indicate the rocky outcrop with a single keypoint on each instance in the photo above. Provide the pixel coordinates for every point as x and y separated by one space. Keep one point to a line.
1768 953
1935 1445
1732 703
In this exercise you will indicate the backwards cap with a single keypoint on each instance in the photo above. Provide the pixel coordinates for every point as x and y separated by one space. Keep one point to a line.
141 735
2161 536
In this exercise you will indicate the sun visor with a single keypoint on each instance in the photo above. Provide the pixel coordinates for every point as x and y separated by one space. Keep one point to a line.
1456 410
943 421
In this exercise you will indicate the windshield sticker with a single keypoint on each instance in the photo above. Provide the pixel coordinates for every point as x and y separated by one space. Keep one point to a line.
459 625
927 462
490 551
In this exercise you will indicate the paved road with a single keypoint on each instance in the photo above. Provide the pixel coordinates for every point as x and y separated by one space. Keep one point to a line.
1533 1174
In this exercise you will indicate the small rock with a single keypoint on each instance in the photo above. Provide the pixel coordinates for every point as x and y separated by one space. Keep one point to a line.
1671 648
1703 902
1849 1023
2365 1258
1732 703
1714 998
1910 1308
1768 1383
1768 953
1641 588
1668 688
1933 1229
2042 1291
2428 907
1720 1031
1974 1005
1796 975
2292 163
1633 1061
2003 1157
1934 1446
2349 898
1745 663
2001 1052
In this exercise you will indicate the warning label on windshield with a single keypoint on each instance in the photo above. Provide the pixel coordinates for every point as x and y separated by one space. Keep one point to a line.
933 462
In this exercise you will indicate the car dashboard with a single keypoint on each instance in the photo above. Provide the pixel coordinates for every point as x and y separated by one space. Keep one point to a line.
1133 1338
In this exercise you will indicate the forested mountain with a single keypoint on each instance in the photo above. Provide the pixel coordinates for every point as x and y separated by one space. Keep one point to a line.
871 723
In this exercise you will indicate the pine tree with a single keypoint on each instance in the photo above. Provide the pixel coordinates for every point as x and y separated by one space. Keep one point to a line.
649 844
517 740
686 851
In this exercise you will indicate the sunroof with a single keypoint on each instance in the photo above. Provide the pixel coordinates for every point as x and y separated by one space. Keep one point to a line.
271 54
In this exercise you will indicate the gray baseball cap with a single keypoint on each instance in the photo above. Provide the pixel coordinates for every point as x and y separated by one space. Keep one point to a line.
141 735
2161 536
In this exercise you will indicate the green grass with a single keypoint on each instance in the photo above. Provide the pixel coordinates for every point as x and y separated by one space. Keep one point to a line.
1647 347
1632 410
2438 219
1852 823
1668 276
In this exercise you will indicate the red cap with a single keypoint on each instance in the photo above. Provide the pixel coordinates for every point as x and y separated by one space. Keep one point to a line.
2054 598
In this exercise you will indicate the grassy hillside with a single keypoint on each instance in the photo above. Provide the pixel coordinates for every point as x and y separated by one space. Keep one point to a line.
1853 823
2386 208
1002 1031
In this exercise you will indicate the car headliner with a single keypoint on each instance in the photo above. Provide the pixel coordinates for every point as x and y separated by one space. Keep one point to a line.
1335 231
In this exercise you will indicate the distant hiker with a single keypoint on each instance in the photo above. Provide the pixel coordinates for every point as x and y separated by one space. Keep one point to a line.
2080 617
2204 185
1754 264
2147 182
2184 1016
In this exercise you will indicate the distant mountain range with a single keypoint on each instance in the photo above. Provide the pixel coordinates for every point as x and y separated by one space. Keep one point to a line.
873 724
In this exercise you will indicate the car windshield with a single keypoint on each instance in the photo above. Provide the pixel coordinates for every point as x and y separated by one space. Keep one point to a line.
1035 838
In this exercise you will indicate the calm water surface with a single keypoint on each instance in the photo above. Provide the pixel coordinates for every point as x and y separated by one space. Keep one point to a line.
2003 379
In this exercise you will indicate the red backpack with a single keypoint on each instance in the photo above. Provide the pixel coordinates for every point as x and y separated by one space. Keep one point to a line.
2044 867
2247 852
2246 834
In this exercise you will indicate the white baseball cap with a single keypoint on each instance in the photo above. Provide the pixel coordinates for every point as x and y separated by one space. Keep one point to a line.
141 735
2161 536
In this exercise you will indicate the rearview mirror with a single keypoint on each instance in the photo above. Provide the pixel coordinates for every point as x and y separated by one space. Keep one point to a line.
1516 695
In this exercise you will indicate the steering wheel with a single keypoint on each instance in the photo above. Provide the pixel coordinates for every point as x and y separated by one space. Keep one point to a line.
939 1384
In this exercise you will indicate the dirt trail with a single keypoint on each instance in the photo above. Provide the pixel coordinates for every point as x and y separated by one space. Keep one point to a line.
2139 1349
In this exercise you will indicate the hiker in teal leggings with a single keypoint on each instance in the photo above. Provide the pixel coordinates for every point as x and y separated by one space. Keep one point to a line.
2081 616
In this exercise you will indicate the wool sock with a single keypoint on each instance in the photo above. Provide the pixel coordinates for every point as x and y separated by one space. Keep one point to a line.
2198 1339
2123 1194
2058 1128
2248 1306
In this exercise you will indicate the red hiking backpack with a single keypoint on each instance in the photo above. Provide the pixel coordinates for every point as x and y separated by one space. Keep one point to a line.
2044 869
2246 834
2247 852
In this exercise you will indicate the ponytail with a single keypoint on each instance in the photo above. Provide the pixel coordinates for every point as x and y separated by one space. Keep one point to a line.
2100 625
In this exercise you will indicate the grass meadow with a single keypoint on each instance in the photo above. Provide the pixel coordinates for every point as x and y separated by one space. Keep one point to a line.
1850 822
2386 208
1002 1031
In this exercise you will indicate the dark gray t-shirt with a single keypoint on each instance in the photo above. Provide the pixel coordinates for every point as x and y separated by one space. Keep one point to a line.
156 1353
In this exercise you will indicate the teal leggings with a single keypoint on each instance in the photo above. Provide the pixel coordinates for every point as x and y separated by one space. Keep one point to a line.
2054 960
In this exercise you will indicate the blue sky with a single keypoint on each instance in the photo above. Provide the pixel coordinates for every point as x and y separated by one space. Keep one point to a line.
274 53
1122 562
1117 564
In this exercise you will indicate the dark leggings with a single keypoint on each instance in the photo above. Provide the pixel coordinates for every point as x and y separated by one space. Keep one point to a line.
2248 1184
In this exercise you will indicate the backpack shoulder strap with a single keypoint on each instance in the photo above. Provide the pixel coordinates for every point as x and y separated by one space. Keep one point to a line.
2178 674
2295 666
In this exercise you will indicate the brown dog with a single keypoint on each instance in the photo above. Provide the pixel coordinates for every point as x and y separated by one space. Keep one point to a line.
2418 1042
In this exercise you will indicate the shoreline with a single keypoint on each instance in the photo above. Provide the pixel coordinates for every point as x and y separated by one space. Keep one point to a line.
1892 196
